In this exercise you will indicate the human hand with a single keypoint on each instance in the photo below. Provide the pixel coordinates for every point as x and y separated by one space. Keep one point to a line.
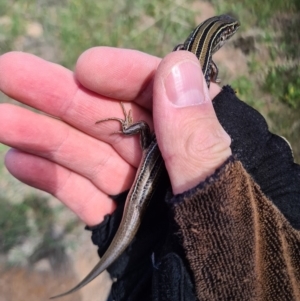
82 163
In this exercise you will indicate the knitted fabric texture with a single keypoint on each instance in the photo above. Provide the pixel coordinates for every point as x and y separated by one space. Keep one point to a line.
238 244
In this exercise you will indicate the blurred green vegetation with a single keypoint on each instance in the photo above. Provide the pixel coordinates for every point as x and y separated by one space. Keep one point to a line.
254 12
273 83
269 37
284 82
152 26
13 230
142 25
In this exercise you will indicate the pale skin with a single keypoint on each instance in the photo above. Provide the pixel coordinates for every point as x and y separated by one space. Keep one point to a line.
82 163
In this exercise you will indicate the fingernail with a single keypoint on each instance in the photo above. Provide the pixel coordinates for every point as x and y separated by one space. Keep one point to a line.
185 85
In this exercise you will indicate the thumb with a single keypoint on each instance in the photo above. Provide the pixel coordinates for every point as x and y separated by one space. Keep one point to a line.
190 137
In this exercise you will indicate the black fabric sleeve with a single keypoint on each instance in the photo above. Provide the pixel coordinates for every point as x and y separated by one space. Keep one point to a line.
266 157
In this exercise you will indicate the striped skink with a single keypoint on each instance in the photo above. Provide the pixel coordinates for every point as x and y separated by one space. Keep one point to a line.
204 40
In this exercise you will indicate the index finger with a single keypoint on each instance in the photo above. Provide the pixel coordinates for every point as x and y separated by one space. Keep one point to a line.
121 73
116 73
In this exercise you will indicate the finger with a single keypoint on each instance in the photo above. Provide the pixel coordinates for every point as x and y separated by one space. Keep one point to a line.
120 73
56 141
190 137
36 82
53 89
116 73
75 191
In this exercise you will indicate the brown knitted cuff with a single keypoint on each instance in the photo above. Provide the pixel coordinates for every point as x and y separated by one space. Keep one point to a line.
239 246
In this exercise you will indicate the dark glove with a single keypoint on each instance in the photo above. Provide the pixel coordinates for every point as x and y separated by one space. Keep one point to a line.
150 266
266 157
153 267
